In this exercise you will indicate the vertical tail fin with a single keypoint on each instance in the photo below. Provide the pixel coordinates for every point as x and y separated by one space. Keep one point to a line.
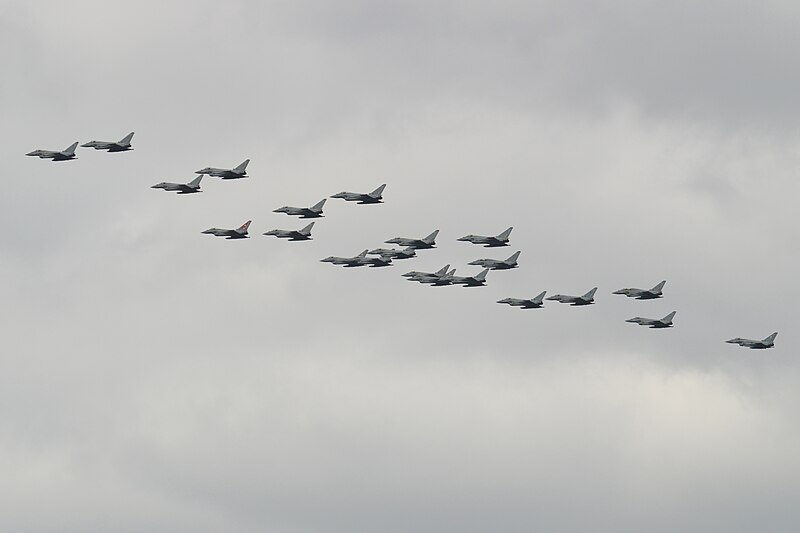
318 206
126 141
432 237
243 227
482 275
195 182
307 229
241 168
589 295
513 258
504 236
379 191
442 271
771 338
657 288
363 254
70 149
668 319
539 297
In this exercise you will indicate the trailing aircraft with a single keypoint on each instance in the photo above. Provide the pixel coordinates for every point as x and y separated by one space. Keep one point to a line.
424 243
293 235
181 188
525 303
374 197
488 242
498 264
586 299
315 211
769 342
226 173
643 294
238 233
66 154
656 323
122 145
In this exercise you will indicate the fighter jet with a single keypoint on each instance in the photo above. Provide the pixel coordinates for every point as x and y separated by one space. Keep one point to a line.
315 211
525 303
378 261
293 235
769 342
656 323
65 155
226 173
416 275
346 261
373 197
426 242
181 188
238 233
489 242
642 294
586 299
441 281
394 253
122 145
478 280
498 264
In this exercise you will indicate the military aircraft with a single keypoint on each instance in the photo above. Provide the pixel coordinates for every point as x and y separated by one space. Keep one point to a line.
425 242
238 233
441 281
416 275
489 242
373 197
377 261
769 342
181 188
64 155
498 264
226 173
315 211
478 280
122 145
525 303
293 235
393 253
643 294
586 299
656 323
354 261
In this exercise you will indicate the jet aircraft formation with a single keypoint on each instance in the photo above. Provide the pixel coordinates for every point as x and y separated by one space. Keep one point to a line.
384 257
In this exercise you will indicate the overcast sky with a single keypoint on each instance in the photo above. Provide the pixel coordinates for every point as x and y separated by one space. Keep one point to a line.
156 379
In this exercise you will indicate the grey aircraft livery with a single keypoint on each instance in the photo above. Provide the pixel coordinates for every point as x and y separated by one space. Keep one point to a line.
424 243
238 233
181 188
643 294
479 280
374 197
315 211
227 173
122 145
769 342
66 154
293 235
498 264
358 260
488 242
525 303
586 299
656 323
394 253
416 275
